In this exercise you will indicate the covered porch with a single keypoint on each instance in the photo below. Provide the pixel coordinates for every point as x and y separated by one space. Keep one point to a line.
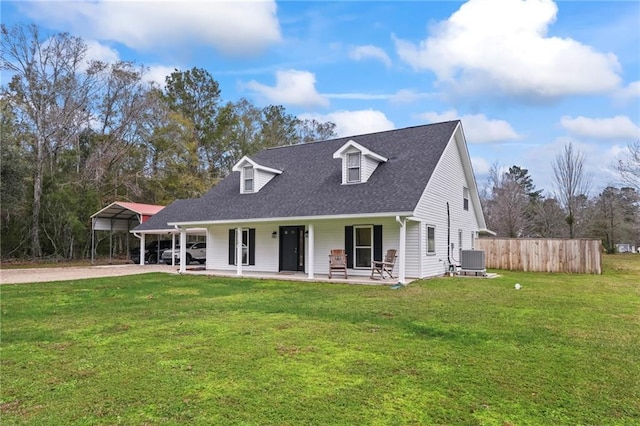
300 249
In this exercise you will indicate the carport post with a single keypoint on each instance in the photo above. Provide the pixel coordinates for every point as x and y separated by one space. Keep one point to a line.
93 239
142 246
110 239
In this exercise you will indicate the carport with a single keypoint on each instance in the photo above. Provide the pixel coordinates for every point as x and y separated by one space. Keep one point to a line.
120 216
159 225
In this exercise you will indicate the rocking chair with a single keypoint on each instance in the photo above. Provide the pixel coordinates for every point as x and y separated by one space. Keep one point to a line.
386 265
338 262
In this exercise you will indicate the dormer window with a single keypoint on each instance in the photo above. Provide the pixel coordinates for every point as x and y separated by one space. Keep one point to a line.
253 176
248 179
358 162
353 171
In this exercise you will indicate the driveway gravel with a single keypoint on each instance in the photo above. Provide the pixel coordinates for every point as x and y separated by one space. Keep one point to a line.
38 275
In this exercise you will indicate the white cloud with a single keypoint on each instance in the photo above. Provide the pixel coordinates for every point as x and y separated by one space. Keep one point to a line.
349 123
502 47
97 51
618 127
477 127
481 167
370 52
158 74
406 96
292 87
235 28
631 92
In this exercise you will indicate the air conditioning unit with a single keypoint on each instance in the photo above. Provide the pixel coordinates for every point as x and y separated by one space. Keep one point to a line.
472 262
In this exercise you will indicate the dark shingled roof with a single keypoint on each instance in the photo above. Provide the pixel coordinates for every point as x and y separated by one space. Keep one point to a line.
310 184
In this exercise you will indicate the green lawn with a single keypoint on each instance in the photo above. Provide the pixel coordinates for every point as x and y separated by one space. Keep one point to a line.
169 349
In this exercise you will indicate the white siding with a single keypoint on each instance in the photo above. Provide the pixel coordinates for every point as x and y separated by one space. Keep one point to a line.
412 268
266 248
262 178
368 167
446 185
329 234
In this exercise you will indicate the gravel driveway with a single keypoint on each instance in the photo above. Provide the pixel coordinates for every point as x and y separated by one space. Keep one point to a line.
38 275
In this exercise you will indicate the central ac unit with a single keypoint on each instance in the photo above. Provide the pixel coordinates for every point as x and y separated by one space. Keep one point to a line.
473 262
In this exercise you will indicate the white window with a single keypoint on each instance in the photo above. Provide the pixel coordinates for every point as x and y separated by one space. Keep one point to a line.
353 167
362 246
248 179
431 239
465 198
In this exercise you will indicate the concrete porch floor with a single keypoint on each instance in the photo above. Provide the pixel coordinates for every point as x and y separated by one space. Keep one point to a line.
294 276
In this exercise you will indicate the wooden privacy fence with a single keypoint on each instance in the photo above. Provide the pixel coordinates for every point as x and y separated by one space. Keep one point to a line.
542 254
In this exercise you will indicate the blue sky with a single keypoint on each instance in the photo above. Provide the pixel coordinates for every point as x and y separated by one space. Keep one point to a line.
524 76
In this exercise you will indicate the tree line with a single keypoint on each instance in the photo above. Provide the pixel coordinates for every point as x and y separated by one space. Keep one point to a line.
514 208
78 134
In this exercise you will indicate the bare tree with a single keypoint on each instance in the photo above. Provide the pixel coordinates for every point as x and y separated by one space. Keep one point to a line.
629 166
572 183
50 89
507 204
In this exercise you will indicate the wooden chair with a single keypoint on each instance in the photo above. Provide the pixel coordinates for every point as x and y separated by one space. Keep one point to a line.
338 262
385 265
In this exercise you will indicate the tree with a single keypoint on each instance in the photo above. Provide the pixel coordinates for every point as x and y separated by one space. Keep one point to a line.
313 130
572 184
50 89
629 166
614 217
196 94
14 187
521 177
547 219
509 205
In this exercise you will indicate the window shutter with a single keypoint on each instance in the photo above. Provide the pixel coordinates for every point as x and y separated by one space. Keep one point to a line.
377 242
252 246
232 246
348 245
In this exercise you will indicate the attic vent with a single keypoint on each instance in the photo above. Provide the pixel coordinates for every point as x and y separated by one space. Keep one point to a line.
473 262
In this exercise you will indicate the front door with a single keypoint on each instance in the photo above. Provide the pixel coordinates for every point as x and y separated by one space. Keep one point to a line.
292 248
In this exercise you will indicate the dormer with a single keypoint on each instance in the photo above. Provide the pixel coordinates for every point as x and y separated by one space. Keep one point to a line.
358 162
253 176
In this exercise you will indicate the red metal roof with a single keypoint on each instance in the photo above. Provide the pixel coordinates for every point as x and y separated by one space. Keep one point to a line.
127 210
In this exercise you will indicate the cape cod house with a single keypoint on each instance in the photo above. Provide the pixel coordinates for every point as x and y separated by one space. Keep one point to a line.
285 208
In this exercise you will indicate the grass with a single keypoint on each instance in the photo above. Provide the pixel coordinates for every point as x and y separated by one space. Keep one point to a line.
167 349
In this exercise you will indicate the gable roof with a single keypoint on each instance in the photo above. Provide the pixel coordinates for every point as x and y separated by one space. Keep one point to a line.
246 160
127 210
160 222
364 151
310 183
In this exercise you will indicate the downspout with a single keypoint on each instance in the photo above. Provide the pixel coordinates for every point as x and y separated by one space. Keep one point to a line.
402 246
449 264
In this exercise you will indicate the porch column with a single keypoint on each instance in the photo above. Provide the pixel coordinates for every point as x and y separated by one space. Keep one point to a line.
173 249
143 244
403 247
311 252
238 251
183 250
